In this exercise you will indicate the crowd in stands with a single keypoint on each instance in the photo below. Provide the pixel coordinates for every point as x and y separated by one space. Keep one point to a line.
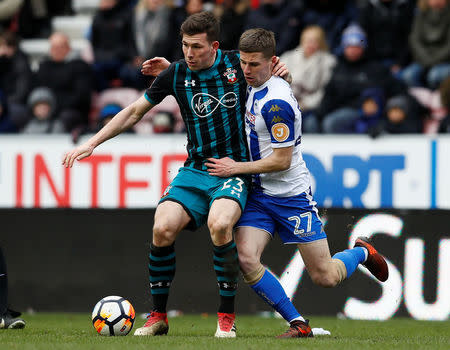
359 66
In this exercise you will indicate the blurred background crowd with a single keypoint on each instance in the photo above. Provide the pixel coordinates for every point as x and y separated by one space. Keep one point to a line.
359 66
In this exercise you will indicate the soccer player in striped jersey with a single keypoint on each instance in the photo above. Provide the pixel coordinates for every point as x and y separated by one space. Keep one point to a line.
210 89
281 199
9 319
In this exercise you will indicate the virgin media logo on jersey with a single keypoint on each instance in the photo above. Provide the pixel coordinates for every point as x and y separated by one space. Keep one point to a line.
204 104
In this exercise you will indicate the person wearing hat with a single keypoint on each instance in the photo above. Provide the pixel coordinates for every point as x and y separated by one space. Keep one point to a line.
41 104
353 74
401 117
107 113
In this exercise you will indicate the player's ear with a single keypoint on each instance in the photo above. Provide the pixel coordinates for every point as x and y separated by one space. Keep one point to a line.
215 45
275 60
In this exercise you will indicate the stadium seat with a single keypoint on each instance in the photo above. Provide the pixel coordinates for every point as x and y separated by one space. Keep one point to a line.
76 27
85 7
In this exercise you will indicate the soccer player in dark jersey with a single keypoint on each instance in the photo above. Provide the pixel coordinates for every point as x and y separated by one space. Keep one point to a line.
210 89
9 319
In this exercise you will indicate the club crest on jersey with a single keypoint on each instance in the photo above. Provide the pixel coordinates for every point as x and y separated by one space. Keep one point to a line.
189 83
230 73
250 119
280 132
166 191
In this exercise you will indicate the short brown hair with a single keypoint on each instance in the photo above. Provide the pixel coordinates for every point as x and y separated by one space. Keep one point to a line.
258 40
202 22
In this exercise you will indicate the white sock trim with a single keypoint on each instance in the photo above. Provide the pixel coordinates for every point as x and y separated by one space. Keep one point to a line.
299 318
366 254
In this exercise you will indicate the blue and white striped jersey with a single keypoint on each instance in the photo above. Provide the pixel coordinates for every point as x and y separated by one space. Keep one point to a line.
273 120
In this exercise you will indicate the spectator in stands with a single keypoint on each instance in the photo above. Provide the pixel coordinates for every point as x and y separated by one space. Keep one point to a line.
430 45
8 12
152 28
70 80
281 17
444 94
152 35
34 20
233 16
435 102
6 124
15 77
387 24
400 118
310 65
352 75
42 105
112 41
107 113
333 16
163 123
370 112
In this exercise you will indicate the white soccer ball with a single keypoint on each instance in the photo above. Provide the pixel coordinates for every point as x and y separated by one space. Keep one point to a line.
113 315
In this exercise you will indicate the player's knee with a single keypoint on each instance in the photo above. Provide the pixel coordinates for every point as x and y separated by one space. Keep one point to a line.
324 278
247 262
163 234
219 226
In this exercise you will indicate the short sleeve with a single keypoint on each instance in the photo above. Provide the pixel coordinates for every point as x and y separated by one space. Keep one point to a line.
161 86
279 118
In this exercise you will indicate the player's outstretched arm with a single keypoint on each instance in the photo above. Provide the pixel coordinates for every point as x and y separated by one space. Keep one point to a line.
122 121
279 160
154 66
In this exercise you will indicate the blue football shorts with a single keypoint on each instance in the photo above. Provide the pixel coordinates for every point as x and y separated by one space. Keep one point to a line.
195 190
295 219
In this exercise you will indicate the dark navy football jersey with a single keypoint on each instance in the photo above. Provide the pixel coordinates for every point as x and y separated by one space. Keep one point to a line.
212 103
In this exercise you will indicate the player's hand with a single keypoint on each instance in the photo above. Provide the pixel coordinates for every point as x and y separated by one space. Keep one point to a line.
77 153
154 66
281 70
223 167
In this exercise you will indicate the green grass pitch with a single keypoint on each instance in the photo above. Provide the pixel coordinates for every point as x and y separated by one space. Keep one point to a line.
75 331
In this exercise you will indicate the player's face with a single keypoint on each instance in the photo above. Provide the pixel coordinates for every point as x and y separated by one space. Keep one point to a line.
257 69
198 52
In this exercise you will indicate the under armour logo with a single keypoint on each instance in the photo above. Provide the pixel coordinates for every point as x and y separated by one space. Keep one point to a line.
227 285
159 284
189 83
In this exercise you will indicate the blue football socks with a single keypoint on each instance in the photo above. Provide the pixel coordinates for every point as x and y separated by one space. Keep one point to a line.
351 258
271 291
